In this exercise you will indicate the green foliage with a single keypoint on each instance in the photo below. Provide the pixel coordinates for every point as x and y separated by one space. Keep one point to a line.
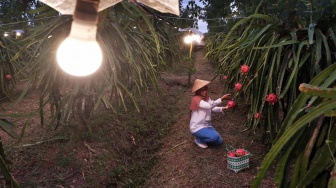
222 15
308 125
7 126
4 162
10 65
280 58
134 53
15 11
15 51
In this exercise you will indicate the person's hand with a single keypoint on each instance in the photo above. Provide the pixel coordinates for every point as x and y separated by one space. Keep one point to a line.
226 97
225 108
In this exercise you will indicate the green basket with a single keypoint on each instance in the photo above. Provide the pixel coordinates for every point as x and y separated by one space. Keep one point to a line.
238 163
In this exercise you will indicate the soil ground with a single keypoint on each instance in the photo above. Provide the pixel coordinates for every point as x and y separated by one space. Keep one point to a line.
178 161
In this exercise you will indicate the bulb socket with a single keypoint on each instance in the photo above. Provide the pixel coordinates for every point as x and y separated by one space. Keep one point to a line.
86 11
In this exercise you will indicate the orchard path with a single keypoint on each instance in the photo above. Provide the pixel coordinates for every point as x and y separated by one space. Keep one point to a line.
183 164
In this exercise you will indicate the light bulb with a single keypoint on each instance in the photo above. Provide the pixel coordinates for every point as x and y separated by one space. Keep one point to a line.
188 39
80 54
192 38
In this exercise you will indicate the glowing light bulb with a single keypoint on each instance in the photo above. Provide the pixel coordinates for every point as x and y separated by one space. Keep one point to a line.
192 38
80 54
188 39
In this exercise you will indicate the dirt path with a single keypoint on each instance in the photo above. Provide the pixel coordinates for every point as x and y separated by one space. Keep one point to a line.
183 164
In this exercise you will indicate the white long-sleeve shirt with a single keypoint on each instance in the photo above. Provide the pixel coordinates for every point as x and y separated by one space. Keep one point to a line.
201 118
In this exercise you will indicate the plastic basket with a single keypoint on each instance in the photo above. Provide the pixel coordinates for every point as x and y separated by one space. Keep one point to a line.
238 163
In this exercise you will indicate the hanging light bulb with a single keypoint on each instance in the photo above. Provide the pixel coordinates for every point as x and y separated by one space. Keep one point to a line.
188 39
191 38
80 54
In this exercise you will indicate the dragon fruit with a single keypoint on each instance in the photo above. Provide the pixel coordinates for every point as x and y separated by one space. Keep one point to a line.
231 104
244 69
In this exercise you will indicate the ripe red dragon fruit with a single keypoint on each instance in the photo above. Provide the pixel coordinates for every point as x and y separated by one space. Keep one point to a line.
240 152
231 104
271 98
225 77
231 154
8 77
244 69
238 86
256 116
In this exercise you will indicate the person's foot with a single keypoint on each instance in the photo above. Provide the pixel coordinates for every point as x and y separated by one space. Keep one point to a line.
202 145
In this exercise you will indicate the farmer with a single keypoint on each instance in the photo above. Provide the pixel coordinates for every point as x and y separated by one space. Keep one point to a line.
200 114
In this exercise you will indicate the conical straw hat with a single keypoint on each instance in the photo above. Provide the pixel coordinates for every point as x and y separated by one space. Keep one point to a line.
198 84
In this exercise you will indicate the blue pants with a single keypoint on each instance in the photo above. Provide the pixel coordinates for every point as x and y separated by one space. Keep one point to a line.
208 136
